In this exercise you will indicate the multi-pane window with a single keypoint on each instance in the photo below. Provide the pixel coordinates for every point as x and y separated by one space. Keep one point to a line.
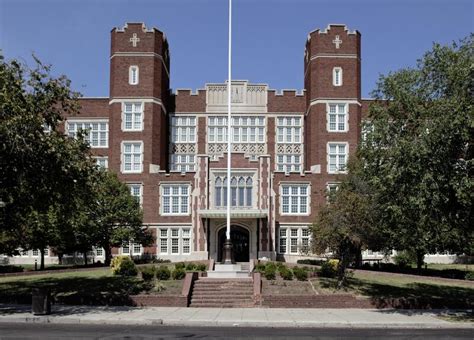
183 163
175 199
337 157
131 248
337 76
95 132
240 191
289 129
337 117
136 192
99 252
133 75
132 154
102 162
132 117
294 199
183 129
245 129
288 163
174 241
293 240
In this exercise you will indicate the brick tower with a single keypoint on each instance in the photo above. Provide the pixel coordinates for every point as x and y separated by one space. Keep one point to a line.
333 101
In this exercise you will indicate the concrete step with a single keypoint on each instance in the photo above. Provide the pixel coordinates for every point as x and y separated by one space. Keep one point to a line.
209 292
222 305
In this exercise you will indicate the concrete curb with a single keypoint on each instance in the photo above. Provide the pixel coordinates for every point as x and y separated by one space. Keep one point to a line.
218 323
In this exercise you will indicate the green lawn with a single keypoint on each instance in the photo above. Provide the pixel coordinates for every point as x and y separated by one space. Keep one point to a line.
405 291
95 287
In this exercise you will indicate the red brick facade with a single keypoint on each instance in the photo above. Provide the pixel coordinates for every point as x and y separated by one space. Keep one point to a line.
135 45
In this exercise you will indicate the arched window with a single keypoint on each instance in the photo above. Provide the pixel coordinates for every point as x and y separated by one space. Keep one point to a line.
224 192
337 76
218 192
133 75
233 191
248 191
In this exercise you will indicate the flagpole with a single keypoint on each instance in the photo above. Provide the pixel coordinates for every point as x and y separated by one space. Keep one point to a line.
228 255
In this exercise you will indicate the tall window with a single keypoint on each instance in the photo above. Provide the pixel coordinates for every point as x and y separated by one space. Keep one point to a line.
337 117
175 199
132 157
240 191
245 129
132 117
95 132
174 241
102 162
294 199
289 129
293 240
337 76
337 157
133 75
183 129
136 190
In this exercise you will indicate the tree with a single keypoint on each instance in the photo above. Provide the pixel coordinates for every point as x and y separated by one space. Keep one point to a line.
115 216
345 224
417 157
41 168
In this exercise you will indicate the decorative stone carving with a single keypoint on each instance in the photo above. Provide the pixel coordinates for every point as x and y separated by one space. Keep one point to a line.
216 150
182 148
245 97
294 149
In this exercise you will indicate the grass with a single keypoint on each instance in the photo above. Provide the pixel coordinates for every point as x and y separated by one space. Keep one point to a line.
402 291
95 287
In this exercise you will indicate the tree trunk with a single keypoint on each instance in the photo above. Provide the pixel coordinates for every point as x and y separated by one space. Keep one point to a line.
420 255
85 257
60 258
358 257
341 268
42 259
108 255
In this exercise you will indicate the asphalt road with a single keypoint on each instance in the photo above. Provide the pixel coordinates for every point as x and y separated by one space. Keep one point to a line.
109 332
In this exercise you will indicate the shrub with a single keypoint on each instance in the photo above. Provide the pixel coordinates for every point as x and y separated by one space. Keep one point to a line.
270 272
301 274
148 273
8 268
260 267
190 266
311 262
280 265
286 273
404 259
123 265
158 260
180 265
271 265
178 274
329 268
201 267
163 273
469 276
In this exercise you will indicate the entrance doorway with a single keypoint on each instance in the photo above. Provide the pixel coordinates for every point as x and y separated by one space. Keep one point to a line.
240 241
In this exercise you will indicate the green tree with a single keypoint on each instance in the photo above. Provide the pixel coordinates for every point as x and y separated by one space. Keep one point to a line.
41 168
345 225
418 154
115 216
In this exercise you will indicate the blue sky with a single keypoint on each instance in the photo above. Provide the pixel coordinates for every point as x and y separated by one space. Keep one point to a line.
268 44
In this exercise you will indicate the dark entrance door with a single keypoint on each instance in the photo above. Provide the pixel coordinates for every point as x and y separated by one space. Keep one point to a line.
240 241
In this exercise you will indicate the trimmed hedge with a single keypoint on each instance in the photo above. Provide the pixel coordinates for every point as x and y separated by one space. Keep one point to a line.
123 265
148 273
163 273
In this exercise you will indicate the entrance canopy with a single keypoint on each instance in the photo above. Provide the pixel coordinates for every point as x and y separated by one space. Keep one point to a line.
236 213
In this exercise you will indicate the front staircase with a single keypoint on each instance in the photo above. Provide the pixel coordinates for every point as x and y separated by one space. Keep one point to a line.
218 293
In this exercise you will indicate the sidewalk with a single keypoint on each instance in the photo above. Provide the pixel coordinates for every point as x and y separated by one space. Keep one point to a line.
238 317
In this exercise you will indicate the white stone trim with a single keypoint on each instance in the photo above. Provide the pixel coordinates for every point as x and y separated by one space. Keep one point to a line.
153 100
327 157
331 55
346 118
176 183
280 197
122 159
142 125
341 79
131 69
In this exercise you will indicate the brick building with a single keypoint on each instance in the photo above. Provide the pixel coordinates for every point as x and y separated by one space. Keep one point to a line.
289 147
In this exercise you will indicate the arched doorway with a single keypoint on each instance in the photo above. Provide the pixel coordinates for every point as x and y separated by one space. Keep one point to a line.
240 240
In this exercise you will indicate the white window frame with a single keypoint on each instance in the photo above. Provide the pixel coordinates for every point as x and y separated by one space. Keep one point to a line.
183 126
122 157
286 127
335 70
131 249
241 129
179 196
102 158
183 240
285 239
288 163
337 171
131 69
131 186
88 135
291 196
133 114
183 162
337 115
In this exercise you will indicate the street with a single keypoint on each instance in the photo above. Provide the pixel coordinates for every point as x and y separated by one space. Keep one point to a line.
109 332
